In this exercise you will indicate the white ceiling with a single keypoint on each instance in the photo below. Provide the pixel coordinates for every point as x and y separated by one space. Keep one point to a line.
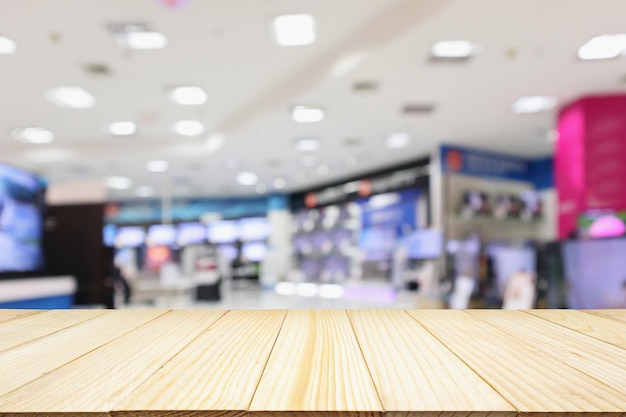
529 48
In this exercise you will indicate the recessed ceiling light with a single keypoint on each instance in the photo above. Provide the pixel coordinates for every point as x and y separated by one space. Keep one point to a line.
247 178
398 140
144 40
119 183
7 46
157 166
303 114
187 95
145 191
603 47
454 49
295 29
323 169
188 128
261 188
308 161
351 161
534 104
35 135
122 129
214 143
70 97
279 183
308 144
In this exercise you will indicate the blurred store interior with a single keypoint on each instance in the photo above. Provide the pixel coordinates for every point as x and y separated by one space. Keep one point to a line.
313 154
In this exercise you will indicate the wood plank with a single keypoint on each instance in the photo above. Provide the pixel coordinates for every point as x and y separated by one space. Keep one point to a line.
11 314
316 366
416 374
598 327
602 361
27 328
108 374
530 380
619 315
25 363
225 364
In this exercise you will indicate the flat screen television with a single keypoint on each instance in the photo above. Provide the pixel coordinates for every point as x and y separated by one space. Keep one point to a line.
255 251
21 221
225 231
109 231
190 234
130 237
254 228
161 234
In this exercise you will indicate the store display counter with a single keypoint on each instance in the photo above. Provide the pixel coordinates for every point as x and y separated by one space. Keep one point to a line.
356 363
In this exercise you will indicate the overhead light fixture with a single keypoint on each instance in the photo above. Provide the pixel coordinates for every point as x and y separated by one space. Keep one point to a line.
122 128
279 183
459 49
35 135
308 144
534 104
323 169
157 166
145 191
188 128
303 114
294 30
261 188
247 178
187 95
603 47
119 183
308 161
7 46
71 97
398 140
214 143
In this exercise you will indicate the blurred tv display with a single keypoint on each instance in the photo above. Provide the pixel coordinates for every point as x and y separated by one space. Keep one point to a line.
225 231
230 252
130 237
251 229
377 243
424 244
254 252
21 207
109 231
161 234
190 233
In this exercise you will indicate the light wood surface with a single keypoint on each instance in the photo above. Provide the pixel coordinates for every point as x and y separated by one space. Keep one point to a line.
598 327
335 363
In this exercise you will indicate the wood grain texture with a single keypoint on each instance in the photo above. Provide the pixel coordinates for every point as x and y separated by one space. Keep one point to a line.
30 327
112 371
602 361
598 327
415 373
225 364
528 378
30 361
8 315
619 315
316 366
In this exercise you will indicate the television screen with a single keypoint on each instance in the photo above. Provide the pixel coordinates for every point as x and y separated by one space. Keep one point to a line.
230 252
377 243
424 244
223 232
191 233
130 237
251 229
21 202
254 252
161 234
108 235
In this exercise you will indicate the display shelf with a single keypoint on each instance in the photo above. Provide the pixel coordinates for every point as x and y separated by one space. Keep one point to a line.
336 363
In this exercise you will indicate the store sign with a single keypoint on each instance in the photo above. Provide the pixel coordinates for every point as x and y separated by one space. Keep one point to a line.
472 162
366 187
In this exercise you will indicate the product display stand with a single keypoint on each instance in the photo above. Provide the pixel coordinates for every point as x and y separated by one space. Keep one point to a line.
313 363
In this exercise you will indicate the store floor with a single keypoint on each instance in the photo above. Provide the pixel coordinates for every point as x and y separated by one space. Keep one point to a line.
365 295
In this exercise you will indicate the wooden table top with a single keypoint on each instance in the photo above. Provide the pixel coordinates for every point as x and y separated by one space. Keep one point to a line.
313 363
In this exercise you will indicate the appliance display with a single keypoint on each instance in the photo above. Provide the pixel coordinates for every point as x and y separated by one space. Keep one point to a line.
255 228
225 231
190 234
130 237
21 202
254 252
157 256
109 231
377 243
230 252
161 234
424 244
595 271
